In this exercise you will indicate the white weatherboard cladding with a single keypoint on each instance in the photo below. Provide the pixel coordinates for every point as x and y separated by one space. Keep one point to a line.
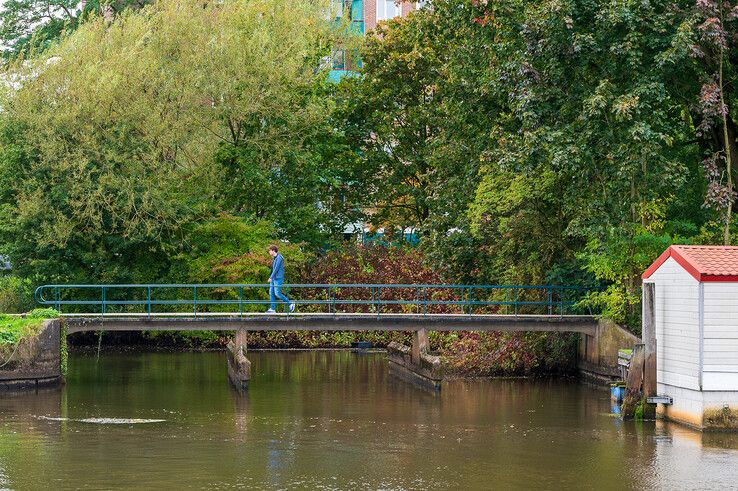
720 336
677 326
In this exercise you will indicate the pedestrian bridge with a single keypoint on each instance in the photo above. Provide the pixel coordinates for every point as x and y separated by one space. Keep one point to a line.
323 307
343 307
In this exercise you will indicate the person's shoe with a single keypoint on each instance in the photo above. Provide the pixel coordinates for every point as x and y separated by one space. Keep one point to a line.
271 311
292 307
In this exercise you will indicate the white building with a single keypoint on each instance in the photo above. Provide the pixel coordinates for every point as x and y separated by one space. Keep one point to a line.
696 314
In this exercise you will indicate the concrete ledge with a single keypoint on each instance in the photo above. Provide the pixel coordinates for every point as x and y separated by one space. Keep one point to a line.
11 385
701 410
597 374
333 322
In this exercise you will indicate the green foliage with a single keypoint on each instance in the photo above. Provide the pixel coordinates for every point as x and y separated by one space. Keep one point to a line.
28 26
228 249
16 294
34 23
564 142
572 126
306 188
420 119
619 260
45 313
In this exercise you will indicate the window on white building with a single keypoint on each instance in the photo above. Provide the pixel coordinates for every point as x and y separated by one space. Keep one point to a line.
387 9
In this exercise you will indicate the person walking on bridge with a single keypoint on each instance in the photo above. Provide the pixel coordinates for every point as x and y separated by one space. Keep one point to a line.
275 281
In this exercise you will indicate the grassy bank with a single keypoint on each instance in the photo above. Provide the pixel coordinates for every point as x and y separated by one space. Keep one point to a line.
15 327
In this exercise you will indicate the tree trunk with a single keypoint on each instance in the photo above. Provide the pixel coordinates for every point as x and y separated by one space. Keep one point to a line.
727 144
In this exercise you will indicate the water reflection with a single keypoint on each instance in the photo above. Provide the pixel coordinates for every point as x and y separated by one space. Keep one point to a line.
336 420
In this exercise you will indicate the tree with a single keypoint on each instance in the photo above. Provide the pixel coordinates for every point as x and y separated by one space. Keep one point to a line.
111 139
36 24
419 114
713 29
539 141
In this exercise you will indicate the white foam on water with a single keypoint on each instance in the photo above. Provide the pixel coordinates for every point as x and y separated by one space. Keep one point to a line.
106 421
119 421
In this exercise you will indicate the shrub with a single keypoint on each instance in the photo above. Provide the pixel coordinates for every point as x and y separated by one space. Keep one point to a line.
16 295
503 353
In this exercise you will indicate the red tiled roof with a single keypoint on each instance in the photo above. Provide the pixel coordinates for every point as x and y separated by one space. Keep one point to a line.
705 263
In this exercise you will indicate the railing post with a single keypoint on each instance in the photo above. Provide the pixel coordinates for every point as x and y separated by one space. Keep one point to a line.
379 300
57 297
194 300
102 307
148 300
561 300
425 302
240 301
516 301
471 304
550 301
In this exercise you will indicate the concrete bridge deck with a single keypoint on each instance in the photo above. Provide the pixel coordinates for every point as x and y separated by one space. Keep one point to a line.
584 324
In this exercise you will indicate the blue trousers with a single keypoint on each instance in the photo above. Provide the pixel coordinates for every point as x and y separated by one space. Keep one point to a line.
275 292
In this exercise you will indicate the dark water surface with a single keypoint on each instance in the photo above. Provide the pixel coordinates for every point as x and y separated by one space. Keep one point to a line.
335 420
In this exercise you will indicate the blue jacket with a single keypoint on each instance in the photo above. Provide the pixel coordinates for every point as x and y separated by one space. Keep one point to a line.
277 268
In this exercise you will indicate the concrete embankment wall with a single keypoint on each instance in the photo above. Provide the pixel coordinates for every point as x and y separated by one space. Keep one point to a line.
598 355
34 361
420 367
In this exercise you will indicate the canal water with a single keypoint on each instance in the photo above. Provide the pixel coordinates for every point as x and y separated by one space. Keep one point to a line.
335 420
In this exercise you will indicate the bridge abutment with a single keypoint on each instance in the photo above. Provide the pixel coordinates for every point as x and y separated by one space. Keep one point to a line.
239 367
597 359
35 361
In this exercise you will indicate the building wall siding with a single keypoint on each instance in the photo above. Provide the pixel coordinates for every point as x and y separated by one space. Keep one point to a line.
721 336
677 326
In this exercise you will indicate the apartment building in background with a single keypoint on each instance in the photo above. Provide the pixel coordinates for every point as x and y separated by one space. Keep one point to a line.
364 16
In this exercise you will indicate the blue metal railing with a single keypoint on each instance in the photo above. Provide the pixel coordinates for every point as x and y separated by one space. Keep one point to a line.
194 299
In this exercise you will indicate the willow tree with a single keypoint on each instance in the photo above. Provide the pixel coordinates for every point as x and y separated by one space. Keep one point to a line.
109 139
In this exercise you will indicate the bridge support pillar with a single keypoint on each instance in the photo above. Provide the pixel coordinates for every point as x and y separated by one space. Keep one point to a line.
239 367
420 345
414 363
